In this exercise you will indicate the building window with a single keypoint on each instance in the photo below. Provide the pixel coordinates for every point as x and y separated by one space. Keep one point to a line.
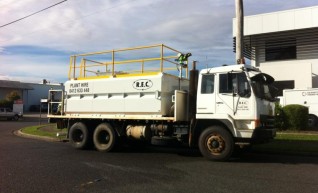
285 84
280 49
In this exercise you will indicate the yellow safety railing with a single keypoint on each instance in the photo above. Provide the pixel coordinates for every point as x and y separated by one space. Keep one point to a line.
143 60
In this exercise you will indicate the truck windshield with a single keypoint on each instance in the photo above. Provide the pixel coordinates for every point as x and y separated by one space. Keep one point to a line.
262 86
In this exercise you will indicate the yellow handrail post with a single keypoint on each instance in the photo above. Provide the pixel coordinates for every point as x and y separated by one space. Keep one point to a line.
106 68
142 66
74 67
81 68
113 62
161 59
84 68
70 70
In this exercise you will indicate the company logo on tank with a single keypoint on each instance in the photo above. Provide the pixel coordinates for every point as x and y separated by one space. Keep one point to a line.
142 84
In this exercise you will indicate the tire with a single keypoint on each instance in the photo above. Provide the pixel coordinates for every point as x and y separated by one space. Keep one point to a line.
216 143
104 137
312 121
15 118
79 136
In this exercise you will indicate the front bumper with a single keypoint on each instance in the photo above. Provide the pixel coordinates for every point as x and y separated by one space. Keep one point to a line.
266 131
263 134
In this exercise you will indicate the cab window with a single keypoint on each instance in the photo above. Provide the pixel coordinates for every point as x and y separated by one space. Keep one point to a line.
235 83
207 86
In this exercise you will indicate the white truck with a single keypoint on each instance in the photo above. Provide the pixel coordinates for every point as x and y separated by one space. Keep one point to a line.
216 109
7 113
306 97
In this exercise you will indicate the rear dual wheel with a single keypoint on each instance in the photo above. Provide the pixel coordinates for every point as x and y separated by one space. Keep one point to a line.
104 137
79 136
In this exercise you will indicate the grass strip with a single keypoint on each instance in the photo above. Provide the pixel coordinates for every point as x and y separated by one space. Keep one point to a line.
295 143
37 130
297 136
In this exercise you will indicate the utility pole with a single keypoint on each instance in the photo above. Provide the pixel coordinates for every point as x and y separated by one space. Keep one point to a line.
239 31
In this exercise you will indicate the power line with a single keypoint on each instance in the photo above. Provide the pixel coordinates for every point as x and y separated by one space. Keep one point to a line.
32 14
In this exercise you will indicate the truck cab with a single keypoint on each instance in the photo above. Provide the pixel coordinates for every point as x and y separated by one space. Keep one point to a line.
235 106
238 98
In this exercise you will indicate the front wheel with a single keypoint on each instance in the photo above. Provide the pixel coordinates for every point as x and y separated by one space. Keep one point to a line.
216 143
16 117
104 137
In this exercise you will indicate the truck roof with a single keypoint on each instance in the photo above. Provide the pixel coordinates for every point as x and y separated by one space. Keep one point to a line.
229 68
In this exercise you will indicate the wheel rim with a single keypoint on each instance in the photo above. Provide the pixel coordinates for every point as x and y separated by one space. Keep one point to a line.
78 136
215 144
104 138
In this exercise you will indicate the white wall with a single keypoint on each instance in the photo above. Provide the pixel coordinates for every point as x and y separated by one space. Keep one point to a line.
303 72
279 21
301 24
40 91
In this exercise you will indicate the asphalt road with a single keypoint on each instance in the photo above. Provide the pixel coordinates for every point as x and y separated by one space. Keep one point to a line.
28 165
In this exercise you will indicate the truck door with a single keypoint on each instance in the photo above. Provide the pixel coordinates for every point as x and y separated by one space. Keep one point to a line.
206 94
233 96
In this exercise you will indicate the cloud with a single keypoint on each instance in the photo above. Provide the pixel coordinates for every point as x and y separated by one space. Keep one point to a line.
39 46
33 64
35 72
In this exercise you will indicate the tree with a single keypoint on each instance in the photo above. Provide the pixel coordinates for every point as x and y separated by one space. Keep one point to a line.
12 96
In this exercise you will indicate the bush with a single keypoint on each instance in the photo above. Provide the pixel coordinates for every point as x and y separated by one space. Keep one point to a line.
279 117
12 96
9 100
295 117
6 103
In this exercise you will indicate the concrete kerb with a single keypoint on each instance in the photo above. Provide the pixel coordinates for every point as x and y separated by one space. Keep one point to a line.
35 117
44 138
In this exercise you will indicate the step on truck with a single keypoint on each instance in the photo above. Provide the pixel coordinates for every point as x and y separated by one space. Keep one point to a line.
109 99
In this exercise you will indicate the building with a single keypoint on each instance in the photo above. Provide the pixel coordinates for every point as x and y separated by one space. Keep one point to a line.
32 98
7 86
285 45
30 93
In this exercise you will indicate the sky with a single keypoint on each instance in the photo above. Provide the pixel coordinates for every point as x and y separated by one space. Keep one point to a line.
39 46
